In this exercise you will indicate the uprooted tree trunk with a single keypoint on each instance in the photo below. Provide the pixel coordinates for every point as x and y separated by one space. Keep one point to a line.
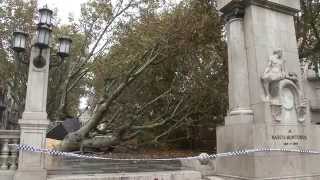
77 139
129 130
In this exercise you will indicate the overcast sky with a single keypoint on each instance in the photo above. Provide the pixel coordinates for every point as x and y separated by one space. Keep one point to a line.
66 7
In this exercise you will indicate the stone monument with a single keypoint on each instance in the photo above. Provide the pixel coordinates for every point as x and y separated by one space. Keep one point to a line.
267 104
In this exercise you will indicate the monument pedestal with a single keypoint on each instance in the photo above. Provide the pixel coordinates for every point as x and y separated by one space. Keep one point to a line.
268 164
267 105
240 118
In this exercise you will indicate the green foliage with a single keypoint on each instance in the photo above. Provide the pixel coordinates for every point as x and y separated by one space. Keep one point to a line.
308 30
60 73
15 14
191 65
20 14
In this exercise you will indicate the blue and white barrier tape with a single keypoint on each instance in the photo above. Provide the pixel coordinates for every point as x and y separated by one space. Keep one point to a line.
202 156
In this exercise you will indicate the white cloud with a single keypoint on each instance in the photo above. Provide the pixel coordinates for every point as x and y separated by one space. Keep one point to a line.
65 7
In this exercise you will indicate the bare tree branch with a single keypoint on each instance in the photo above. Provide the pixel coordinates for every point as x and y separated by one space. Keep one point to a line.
104 105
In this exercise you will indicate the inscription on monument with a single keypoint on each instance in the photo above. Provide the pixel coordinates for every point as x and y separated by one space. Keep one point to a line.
291 139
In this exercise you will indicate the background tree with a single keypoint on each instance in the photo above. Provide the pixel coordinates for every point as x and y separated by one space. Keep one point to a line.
98 19
15 14
68 81
308 30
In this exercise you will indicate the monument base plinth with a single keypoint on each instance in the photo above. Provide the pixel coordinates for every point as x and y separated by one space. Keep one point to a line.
274 165
239 119
30 175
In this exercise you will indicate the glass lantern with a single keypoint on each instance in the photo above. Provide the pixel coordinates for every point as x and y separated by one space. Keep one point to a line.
43 36
19 41
45 16
64 46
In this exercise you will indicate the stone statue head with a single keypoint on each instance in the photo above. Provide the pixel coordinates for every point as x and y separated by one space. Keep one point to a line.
278 52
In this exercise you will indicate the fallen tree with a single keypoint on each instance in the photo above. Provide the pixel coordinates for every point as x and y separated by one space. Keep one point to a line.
75 140
177 83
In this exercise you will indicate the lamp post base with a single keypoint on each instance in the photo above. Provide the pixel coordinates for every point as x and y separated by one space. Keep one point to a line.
33 132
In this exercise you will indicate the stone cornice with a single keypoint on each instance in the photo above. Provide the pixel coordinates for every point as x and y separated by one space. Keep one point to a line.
235 10
234 4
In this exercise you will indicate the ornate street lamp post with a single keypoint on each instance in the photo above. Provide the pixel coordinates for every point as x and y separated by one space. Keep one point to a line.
34 120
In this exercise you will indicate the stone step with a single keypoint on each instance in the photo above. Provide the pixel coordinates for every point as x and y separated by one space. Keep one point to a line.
213 178
167 175
60 166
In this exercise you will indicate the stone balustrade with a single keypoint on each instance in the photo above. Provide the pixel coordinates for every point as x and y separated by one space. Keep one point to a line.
8 154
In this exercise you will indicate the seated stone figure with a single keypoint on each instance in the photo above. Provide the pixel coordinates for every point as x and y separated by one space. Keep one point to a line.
275 71
282 91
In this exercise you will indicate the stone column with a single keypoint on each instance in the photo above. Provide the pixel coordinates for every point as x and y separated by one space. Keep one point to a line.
239 99
34 120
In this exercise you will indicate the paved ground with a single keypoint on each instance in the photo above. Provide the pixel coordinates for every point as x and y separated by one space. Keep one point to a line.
69 166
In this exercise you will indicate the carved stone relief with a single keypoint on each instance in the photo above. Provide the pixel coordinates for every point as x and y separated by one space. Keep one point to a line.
282 91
